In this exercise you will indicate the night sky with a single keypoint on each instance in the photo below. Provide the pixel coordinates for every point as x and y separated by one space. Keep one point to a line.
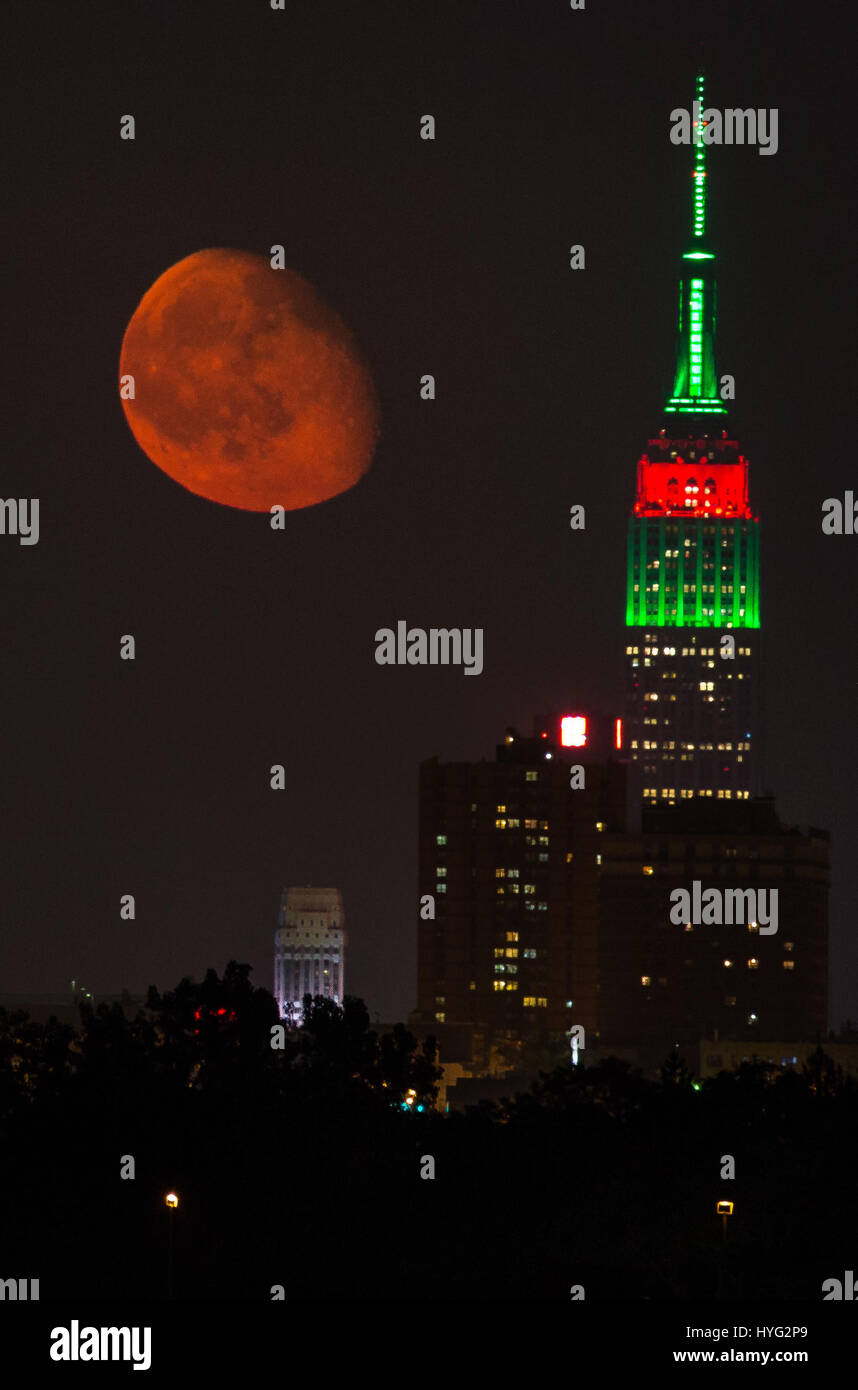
256 646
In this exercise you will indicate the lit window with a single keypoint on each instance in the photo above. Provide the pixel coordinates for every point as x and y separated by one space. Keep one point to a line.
440 1018
440 871
531 776
511 952
500 873
789 945
498 952
440 887
753 963
646 980
440 839
542 1003
500 825
648 869
512 936
789 965
501 810
529 1001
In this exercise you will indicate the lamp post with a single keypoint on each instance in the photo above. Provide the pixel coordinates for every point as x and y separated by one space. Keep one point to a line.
724 1209
171 1201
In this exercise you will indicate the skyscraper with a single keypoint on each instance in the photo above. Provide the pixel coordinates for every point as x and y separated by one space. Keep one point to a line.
692 594
309 948
509 860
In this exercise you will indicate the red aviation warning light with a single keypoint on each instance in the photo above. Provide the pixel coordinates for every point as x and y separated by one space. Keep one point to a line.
573 731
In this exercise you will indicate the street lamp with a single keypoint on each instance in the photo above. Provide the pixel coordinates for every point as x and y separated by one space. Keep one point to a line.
724 1209
171 1201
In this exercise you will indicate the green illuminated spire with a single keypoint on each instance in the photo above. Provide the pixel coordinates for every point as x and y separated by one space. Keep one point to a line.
698 175
695 384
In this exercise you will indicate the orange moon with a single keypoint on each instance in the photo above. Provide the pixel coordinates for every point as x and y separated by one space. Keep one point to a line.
248 389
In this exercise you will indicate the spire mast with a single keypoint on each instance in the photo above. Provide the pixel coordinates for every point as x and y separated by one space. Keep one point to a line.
698 210
695 383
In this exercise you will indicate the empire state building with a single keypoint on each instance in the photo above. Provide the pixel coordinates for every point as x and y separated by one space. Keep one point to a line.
693 565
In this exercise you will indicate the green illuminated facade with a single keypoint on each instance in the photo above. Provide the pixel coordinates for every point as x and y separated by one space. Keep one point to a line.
704 576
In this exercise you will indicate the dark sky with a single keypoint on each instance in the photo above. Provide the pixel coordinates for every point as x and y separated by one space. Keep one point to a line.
256 647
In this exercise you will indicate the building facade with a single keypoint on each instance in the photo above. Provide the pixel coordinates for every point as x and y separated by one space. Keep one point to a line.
509 859
717 1056
666 983
309 949
693 567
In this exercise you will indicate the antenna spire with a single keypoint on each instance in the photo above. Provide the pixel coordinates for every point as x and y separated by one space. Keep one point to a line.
698 175
695 383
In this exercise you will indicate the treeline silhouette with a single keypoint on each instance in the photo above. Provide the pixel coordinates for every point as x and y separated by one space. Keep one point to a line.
301 1166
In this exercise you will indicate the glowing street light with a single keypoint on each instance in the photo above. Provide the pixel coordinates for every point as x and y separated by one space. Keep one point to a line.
171 1202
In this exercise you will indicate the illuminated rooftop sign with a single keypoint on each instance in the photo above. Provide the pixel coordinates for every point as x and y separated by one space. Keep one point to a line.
573 731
